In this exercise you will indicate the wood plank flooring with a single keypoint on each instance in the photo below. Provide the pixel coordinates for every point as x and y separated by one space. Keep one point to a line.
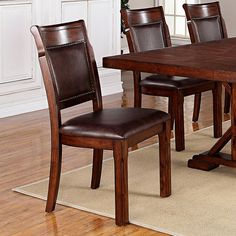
25 157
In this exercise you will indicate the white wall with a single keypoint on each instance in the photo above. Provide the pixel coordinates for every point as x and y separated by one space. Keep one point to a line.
21 86
141 3
228 12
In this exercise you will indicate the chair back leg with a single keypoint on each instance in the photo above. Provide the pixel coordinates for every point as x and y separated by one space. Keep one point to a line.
137 90
171 111
196 107
178 103
97 168
55 173
227 102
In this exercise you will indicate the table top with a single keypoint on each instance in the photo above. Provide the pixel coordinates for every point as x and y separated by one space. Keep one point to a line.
215 60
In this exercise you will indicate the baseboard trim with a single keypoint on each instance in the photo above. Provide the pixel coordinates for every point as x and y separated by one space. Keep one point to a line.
13 109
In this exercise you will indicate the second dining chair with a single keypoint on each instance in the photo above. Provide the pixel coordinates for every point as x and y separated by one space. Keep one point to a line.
205 23
146 29
70 76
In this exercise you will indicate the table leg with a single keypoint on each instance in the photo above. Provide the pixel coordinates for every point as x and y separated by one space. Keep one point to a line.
233 121
221 142
213 158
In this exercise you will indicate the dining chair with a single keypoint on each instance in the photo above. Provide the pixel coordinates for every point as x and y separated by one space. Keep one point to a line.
146 29
71 77
205 23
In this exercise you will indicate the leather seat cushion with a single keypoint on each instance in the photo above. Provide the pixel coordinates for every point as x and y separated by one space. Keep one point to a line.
172 82
119 123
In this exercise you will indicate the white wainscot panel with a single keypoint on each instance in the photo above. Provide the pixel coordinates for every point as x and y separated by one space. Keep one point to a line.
100 27
110 81
72 11
21 88
15 43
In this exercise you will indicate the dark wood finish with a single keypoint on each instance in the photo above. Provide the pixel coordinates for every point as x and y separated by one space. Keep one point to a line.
212 159
227 97
121 182
221 142
209 162
97 168
201 12
34 144
165 162
196 108
146 29
210 60
70 76
200 163
213 60
227 102
233 121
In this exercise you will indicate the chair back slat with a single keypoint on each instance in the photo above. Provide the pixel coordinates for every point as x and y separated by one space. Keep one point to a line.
146 29
205 22
71 63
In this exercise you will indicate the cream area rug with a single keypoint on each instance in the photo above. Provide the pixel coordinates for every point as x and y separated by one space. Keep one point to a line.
201 204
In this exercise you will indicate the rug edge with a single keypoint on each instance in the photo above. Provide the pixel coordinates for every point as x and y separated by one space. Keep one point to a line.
98 213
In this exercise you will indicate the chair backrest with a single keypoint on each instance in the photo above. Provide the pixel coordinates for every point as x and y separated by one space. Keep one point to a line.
205 22
146 29
68 66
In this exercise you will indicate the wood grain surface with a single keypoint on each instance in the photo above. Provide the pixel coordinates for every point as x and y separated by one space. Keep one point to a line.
25 157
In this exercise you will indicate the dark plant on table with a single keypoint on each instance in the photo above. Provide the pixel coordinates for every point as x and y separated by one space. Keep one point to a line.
125 4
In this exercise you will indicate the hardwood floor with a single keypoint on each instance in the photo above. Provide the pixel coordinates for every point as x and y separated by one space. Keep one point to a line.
25 157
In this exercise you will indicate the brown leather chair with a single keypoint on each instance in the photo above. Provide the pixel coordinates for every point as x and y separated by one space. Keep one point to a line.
146 29
71 77
205 23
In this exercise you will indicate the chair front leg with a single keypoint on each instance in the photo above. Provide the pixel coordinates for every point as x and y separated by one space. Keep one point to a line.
55 173
97 168
217 109
121 182
178 103
165 161
137 89
171 111
227 102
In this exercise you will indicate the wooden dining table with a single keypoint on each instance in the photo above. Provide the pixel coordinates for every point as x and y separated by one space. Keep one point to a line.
215 60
